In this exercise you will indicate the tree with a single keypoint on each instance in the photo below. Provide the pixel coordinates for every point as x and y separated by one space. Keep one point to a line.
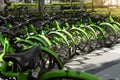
81 5
7 4
41 5
92 5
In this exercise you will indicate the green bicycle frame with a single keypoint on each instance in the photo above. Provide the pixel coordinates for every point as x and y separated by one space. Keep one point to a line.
22 75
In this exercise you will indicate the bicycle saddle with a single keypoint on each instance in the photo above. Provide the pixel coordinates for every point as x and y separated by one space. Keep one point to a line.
85 14
96 18
77 19
52 18
26 60
65 19
32 20
21 25
44 23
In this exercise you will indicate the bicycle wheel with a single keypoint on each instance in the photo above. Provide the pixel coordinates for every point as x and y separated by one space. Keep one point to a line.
100 35
82 40
92 36
63 52
62 46
117 26
67 75
111 35
71 49
49 60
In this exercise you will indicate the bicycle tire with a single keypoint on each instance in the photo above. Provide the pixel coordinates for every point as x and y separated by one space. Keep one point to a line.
37 39
100 35
71 41
117 26
111 35
62 45
53 62
92 36
63 52
82 40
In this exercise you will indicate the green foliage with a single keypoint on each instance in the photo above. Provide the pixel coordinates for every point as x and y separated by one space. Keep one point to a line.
102 11
64 3
115 12
29 5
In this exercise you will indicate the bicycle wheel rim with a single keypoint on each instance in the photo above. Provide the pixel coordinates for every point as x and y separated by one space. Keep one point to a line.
92 36
110 36
48 62
83 44
100 35
63 52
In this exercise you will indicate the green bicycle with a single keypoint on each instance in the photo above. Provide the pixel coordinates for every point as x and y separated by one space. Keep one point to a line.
27 65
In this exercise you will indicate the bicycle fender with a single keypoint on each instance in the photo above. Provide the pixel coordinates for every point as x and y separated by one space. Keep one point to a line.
68 34
79 30
38 39
19 40
49 44
110 25
116 24
68 73
97 28
60 35
82 75
93 31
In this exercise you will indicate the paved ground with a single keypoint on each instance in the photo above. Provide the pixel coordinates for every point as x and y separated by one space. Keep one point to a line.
104 63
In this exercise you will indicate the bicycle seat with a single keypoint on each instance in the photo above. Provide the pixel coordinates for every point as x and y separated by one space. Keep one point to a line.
96 18
85 14
52 18
77 19
21 25
65 19
32 20
26 60
44 23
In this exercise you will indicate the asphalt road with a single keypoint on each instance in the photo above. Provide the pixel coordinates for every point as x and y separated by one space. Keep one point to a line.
104 63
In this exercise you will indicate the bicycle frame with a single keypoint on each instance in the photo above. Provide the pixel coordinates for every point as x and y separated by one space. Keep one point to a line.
19 75
3 67
52 74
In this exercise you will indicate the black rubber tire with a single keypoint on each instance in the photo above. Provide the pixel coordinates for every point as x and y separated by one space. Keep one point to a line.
48 62
83 44
82 41
92 36
63 52
117 26
100 35
111 35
